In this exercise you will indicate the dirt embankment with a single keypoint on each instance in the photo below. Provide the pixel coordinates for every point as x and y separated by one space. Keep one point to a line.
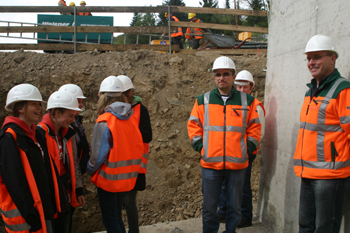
168 85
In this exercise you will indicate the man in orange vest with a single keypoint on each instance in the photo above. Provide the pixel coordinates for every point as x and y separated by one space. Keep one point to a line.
62 3
224 127
83 4
197 38
177 36
322 153
244 83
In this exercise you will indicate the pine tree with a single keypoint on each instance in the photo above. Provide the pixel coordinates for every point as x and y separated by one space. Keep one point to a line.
255 20
181 16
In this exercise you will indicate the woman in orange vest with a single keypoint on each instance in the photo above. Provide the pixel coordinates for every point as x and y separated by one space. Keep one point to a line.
141 116
27 190
60 139
116 152
82 145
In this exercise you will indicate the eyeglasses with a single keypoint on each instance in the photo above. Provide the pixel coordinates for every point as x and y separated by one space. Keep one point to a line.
225 75
317 58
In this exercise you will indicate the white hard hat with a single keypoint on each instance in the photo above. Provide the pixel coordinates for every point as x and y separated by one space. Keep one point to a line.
112 84
63 99
127 83
224 63
22 92
244 75
320 43
74 89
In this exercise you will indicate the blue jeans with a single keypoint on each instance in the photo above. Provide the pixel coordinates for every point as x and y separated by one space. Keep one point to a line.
321 205
111 209
212 181
247 197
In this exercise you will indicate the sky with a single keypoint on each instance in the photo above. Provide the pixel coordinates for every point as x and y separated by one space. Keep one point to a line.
120 19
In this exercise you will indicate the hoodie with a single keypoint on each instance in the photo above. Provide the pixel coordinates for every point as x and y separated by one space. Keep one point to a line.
102 140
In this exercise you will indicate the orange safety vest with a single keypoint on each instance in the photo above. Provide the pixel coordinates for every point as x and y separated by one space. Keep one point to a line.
188 31
179 29
63 2
13 220
259 103
136 116
55 155
84 13
322 150
223 130
120 170
198 31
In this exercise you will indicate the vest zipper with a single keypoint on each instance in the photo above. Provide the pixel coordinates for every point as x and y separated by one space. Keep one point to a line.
224 134
302 141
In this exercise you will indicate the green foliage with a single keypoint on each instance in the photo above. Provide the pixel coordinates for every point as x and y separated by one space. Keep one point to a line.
208 18
144 19
255 21
209 3
181 16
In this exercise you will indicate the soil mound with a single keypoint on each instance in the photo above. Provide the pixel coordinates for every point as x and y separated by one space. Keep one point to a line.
168 85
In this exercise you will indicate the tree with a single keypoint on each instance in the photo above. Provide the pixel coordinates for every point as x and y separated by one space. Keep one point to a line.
255 20
145 19
207 18
181 16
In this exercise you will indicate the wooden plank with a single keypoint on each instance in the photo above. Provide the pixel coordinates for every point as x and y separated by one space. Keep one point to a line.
219 11
132 9
222 27
92 29
87 47
244 52
67 9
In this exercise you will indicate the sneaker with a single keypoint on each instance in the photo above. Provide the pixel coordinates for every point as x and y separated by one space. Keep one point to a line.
243 224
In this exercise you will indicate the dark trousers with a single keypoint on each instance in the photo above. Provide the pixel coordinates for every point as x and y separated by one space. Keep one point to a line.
72 209
111 209
131 211
212 181
195 43
247 197
62 223
177 40
321 204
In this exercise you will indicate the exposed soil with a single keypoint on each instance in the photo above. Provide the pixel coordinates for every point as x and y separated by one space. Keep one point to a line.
168 85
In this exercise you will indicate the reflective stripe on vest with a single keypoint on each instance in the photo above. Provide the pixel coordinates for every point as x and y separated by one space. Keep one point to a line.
179 29
321 128
256 121
13 220
52 148
117 175
207 128
198 31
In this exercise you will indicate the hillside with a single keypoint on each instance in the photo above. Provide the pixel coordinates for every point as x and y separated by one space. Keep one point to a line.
168 85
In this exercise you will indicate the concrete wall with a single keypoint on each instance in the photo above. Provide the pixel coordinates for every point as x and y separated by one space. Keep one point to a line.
292 24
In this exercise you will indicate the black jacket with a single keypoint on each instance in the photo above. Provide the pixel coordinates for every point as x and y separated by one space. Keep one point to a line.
146 132
83 146
14 178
